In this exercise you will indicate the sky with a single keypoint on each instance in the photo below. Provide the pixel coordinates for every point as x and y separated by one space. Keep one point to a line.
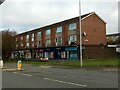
26 15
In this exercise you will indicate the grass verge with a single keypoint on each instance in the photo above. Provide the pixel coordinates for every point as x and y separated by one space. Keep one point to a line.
111 62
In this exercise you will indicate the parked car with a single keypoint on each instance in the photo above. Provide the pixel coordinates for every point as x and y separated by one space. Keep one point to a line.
44 59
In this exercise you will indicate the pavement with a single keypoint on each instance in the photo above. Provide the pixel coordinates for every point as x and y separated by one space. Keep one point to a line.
36 76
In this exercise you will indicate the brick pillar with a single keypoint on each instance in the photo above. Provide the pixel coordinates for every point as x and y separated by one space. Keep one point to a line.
43 38
64 33
53 36
35 39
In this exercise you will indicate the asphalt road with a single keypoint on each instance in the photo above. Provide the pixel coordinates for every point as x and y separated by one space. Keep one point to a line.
35 76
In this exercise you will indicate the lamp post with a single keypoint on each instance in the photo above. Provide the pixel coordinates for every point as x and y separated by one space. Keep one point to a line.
81 63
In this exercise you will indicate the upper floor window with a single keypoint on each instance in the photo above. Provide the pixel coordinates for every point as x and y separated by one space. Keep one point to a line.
72 26
48 32
21 37
27 37
16 39
59 29
38 33
32 35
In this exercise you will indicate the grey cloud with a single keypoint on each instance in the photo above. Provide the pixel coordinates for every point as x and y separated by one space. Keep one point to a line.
23 15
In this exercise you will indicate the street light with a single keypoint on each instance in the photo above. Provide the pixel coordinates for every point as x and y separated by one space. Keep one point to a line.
81 63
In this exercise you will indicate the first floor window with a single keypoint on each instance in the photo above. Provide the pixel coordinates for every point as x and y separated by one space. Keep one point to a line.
47 42
27 45
38 43
21 44
72 39
58 41
32 43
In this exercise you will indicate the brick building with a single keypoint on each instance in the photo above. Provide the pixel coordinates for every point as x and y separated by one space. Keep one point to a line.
62 40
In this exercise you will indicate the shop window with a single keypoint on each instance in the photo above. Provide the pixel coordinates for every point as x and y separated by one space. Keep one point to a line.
63 55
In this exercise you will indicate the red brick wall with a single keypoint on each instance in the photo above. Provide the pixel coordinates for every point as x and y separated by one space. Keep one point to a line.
35 39
53 35
43 37
92 25
64 33
93 52
95 29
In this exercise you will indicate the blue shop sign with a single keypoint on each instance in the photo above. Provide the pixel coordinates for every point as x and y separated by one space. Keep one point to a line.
70 48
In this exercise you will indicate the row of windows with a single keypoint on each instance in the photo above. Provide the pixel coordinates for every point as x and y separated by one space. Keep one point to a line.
71 26
58 30
59 40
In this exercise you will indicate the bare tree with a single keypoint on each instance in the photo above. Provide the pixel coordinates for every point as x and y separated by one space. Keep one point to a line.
8 43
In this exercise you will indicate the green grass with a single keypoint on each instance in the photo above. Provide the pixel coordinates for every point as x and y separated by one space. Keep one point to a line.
111 62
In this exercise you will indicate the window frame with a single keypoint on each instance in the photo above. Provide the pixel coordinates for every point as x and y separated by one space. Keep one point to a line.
72 26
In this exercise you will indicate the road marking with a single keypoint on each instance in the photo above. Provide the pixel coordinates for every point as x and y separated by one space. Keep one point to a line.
76 84
9 69
23 74
44 66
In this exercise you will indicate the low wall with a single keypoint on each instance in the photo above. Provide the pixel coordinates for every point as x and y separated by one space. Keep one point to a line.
94 52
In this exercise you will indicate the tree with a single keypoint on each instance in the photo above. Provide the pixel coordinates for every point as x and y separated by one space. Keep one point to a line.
8 43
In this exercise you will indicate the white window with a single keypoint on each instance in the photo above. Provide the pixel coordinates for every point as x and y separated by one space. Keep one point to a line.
58 41
48 32
21 44
38 43
72 39
32 43
72 26
47 42
27 45
21 37
33 37
59 29
16 45
16 39
27 37
38 33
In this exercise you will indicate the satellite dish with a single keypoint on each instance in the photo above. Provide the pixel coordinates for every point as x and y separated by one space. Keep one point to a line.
1 1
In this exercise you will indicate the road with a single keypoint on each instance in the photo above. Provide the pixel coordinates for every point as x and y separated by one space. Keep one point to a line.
35 76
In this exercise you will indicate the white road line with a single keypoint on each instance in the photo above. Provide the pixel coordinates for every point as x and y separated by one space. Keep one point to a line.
76 84
27 75
23 74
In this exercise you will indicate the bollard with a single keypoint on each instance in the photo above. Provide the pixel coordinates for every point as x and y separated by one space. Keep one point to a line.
1 63
19 65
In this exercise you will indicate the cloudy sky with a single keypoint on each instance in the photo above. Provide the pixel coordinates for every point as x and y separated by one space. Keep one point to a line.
25 15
